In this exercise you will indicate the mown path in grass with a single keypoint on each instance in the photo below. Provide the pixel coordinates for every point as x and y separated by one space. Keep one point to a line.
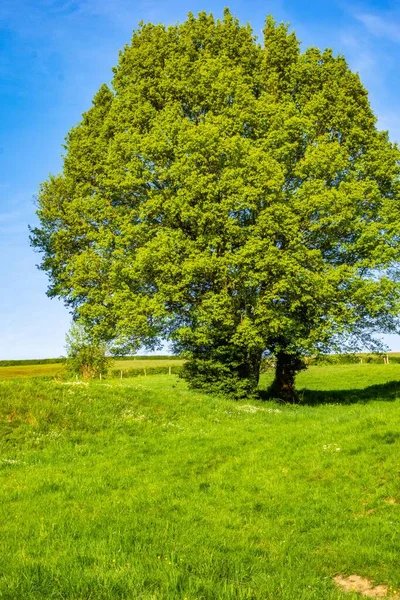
145 490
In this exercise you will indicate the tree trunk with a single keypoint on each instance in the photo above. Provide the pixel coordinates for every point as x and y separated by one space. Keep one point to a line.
251 369
287 366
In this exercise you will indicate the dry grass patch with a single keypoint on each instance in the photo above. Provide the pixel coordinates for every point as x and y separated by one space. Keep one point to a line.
362 585
391 501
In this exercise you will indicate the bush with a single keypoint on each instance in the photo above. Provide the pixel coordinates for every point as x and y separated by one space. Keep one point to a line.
217 377
86 357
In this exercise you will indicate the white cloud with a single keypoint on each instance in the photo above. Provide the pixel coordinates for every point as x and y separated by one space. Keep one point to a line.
380 26
370 43
360 55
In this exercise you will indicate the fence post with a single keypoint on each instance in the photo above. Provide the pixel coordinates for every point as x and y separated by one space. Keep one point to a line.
169 370
121 374
145 372
100 376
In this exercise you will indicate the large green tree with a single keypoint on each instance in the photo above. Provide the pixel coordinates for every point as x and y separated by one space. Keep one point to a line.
233 197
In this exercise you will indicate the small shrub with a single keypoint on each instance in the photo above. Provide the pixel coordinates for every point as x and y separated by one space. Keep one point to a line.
86 357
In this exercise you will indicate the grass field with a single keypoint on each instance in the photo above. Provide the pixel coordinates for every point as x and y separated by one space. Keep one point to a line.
359 373
142 489
52 370
345 383
142 364
28 371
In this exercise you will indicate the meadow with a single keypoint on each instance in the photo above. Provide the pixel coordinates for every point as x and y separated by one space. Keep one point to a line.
143 489
28 371
58 369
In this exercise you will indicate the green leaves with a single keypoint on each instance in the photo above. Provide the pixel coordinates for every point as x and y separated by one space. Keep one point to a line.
86 356
226 194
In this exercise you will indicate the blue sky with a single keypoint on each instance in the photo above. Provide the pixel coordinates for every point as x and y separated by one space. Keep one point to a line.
54 55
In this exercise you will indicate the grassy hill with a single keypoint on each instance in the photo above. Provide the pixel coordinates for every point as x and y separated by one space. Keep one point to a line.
141 489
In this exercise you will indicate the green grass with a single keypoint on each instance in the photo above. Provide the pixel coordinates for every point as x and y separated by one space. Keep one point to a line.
142 489
348 377
345 384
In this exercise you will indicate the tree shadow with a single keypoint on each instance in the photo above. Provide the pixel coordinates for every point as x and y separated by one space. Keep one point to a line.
387 392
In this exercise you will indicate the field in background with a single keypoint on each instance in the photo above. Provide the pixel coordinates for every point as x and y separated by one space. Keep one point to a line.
46 370
134 365
143 489
142 364
344 382
52 370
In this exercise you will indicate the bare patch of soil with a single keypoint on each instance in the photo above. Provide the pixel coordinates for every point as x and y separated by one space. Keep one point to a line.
355 583
391 501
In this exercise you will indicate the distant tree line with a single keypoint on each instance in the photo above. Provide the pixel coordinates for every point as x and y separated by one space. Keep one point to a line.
32 361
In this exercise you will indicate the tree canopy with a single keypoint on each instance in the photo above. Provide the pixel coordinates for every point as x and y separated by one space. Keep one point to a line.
233 197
